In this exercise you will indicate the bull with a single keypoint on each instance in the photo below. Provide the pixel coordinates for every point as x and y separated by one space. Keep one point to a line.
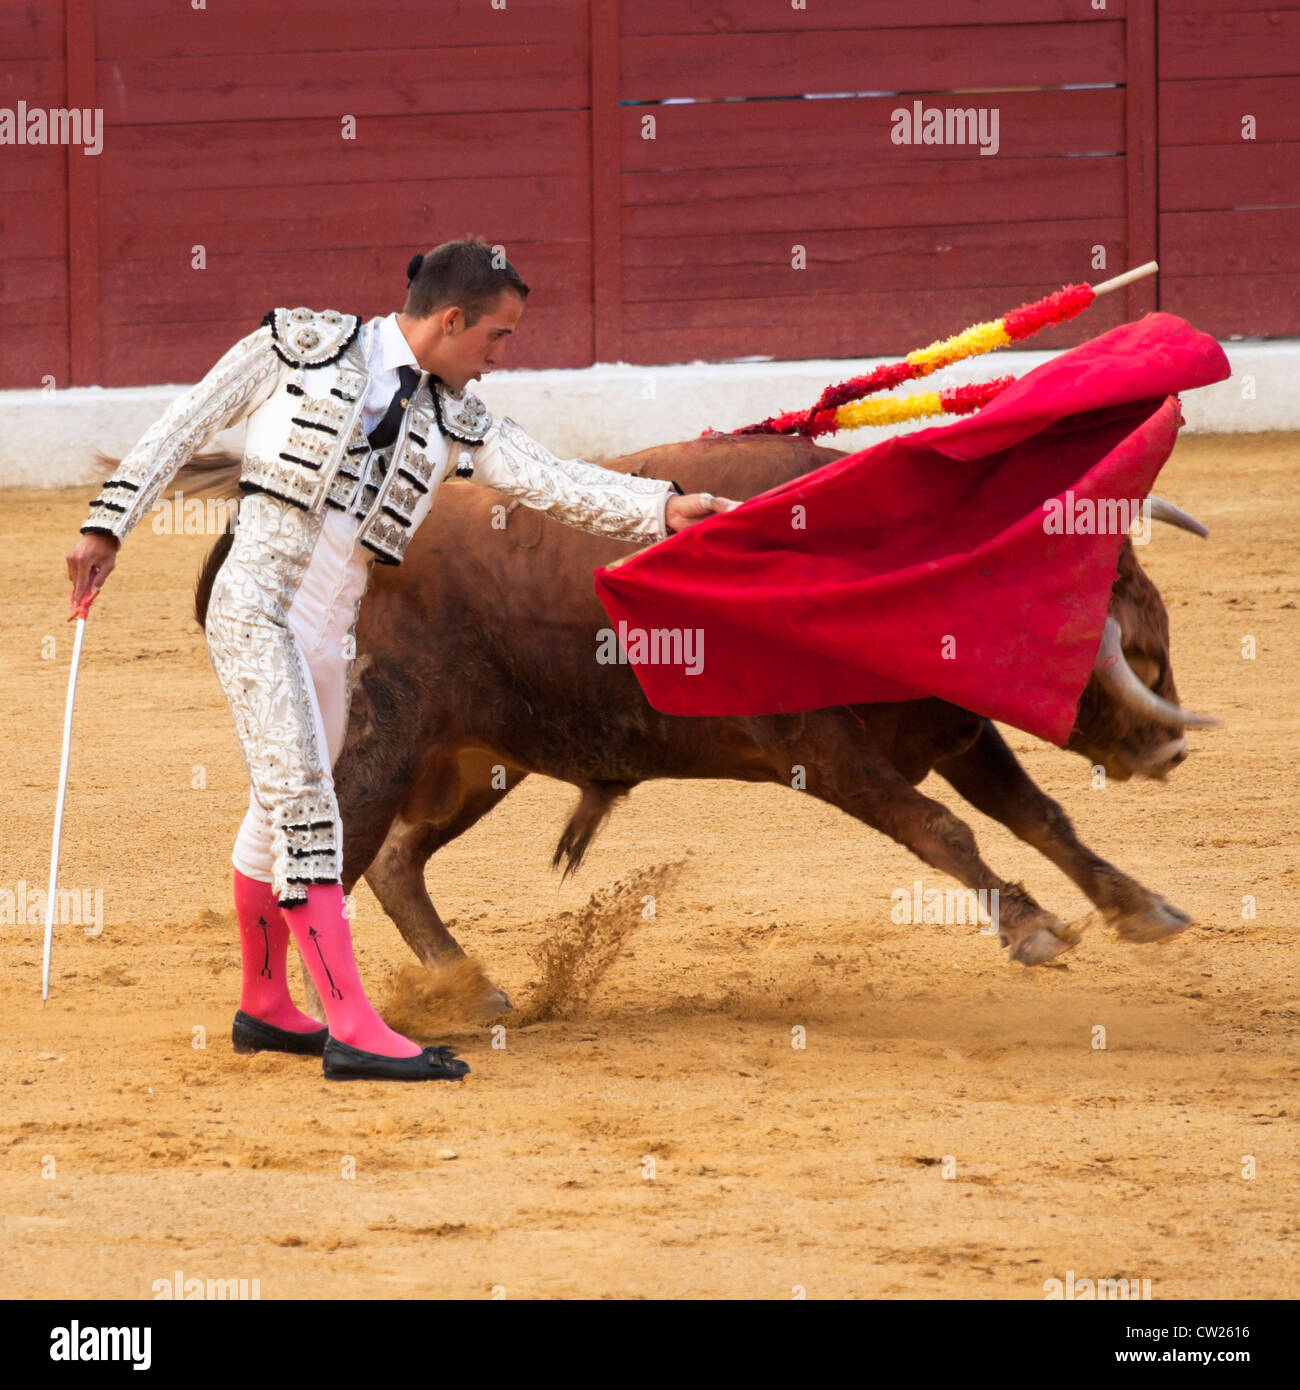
475 670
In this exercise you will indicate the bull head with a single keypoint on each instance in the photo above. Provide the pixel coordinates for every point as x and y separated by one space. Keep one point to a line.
1129 719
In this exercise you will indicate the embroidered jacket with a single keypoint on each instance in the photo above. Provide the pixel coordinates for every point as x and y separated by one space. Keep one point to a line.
300 380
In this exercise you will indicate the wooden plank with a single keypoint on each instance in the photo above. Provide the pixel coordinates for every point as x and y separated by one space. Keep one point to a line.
167 29
38 82
35 223
181 352
82 202
406 215
26 358
254 154
1194 178
956 258
1263 241
606 213
890 60
1235 306
939 312
1208 111
558 275
646 17
907 193
1142 160
34 291
846 325
1180 7
33 169
1226 42
304 86
30 31
733 134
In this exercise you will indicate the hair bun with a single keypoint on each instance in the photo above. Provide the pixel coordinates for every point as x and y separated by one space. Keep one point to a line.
413 266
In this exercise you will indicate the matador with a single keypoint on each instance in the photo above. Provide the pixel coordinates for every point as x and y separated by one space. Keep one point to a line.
350 428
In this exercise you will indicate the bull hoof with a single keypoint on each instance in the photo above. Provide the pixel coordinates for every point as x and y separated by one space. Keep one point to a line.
493 1003
1044 944
1157 922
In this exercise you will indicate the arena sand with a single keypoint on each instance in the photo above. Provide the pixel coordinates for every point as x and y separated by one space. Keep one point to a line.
949 1129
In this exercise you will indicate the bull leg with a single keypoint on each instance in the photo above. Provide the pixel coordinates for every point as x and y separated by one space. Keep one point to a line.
878 795
396 877
990 777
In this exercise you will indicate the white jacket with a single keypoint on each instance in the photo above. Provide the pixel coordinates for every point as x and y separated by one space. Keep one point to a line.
300 381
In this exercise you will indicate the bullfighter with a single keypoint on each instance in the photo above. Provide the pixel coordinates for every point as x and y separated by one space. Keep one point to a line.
351 426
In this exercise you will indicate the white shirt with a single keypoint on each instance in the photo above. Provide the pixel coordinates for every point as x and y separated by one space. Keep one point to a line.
336 574
387 349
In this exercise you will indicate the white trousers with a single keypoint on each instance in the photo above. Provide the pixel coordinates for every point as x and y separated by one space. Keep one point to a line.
286 672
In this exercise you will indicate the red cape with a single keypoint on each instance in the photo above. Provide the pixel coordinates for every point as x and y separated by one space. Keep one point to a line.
922 566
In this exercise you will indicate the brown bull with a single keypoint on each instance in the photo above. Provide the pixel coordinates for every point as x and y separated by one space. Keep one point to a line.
475 667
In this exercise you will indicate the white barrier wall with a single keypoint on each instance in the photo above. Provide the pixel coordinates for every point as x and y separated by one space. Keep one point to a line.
47 438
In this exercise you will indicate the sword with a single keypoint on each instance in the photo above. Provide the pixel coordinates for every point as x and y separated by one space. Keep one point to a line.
79 612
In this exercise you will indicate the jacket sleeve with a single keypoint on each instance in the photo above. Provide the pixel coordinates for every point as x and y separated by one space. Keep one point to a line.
239 382
581 494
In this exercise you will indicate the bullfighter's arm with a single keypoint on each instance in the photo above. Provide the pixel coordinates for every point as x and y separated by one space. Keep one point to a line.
582 494
238 384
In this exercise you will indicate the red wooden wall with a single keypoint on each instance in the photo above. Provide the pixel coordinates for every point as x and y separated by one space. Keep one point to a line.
1230 208
903 241
1120 127
33 203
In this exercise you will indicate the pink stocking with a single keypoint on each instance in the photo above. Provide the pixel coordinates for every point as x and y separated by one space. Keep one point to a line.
264 945
320 927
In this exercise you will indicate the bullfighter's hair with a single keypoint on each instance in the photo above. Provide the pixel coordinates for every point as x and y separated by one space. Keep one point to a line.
463 273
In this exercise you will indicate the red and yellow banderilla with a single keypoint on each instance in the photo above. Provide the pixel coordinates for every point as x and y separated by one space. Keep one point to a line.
842 407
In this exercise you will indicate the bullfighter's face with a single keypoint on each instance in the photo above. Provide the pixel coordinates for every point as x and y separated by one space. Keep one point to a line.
471 351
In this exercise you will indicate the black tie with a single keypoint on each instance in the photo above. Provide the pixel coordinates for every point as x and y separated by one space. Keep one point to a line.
385 431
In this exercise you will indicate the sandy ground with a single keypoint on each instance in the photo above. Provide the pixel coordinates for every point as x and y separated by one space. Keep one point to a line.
949 1130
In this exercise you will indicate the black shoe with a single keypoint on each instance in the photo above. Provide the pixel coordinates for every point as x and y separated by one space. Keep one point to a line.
344 1063
250 1034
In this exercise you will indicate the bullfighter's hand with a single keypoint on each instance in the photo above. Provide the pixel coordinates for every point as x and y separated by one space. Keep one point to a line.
685 511
90 562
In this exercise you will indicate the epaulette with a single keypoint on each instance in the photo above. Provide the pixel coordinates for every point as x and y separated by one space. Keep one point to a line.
461 415
311 337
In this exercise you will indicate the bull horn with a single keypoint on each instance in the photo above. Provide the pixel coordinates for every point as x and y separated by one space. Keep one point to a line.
1114 672
1175 516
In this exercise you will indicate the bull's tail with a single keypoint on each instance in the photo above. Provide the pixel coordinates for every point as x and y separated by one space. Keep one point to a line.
208 575
212 474
591 812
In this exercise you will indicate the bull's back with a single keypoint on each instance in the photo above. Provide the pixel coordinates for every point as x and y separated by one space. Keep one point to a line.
498 623
482 549
542 565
